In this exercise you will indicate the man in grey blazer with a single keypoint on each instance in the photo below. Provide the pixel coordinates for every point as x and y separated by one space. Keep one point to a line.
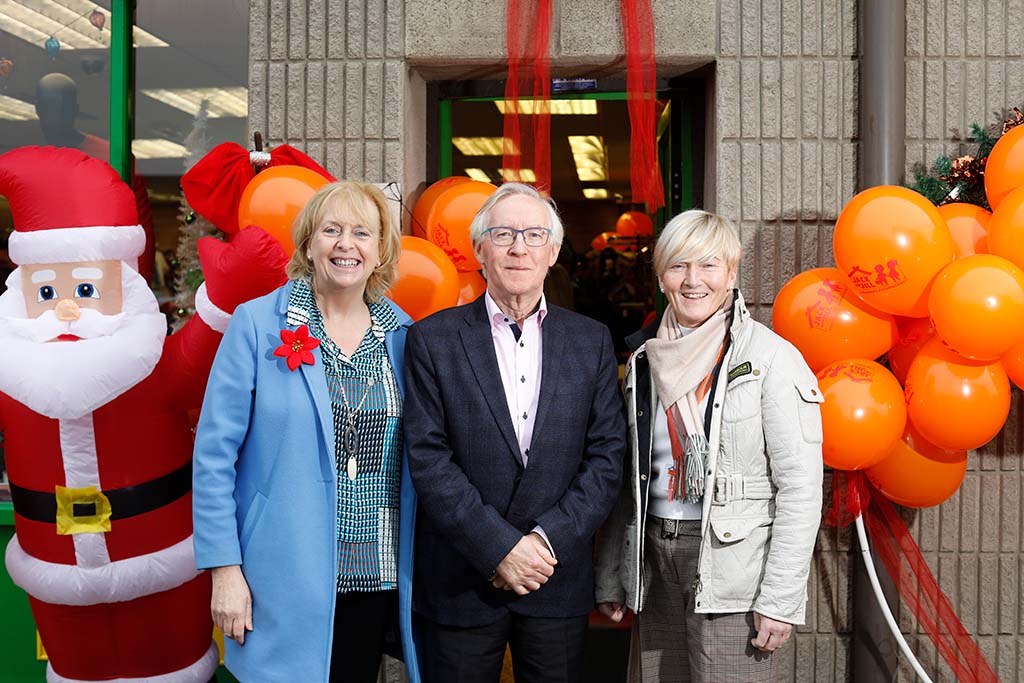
515 436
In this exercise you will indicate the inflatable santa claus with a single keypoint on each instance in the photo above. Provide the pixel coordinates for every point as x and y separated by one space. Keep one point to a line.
96 433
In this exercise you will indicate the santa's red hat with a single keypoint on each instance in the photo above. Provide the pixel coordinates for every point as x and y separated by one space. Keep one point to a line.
68 207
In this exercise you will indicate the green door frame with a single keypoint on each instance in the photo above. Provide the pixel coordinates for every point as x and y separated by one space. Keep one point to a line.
122 86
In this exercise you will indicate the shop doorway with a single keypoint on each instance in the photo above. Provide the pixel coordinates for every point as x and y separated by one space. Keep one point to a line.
610 279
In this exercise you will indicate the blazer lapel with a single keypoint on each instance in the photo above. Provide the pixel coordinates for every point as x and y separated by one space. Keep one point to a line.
479 347
553 336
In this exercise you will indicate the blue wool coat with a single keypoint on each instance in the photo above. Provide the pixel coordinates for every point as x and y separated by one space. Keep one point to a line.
265 496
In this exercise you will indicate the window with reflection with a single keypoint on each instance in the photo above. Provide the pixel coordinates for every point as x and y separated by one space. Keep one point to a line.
190 93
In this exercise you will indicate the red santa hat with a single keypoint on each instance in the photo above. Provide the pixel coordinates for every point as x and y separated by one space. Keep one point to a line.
68 207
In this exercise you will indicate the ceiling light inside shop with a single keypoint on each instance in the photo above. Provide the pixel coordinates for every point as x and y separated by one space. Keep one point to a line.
524 175
157 149
478 174
595 193
220 102
65 20
556 107
589 155
12 109
481 147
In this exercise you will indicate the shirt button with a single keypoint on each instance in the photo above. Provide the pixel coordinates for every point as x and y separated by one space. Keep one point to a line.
643 477
523 379
524 416
640 413
521 344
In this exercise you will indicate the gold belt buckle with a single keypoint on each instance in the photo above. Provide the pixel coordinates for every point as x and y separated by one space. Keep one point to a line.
82 510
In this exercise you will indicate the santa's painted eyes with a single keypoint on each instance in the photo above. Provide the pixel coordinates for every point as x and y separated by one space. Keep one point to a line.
47 293
87 290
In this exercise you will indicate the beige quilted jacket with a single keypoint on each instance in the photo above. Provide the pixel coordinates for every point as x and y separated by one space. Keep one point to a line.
763 502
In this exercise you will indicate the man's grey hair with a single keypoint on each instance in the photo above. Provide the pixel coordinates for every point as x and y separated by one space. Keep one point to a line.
482 220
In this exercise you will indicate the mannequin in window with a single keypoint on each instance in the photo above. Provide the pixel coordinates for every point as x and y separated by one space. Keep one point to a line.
57 109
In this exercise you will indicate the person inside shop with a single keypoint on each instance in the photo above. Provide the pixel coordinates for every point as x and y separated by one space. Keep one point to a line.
710 542
516 440
302 503
57 109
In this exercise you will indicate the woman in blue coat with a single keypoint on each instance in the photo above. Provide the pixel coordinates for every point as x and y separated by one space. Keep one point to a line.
303 507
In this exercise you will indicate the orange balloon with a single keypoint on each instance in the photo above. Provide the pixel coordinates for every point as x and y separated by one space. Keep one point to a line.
914 334
633 223
889 243
1006 228
1004 170
821 317
968 225
471 286
863 414
427 281
956 403
426 202
449 218
610 239
918 474
273 199
977 306
1013 363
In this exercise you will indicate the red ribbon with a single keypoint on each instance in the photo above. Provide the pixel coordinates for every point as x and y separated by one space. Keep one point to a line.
853 495
641 86
528 52
214 185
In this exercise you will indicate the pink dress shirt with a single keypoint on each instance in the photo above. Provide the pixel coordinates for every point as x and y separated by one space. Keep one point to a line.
519 363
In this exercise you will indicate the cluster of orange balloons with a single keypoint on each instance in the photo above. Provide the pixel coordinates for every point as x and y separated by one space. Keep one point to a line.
937 295
438 268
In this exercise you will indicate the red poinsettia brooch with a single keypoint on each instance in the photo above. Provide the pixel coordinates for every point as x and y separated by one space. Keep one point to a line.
297 347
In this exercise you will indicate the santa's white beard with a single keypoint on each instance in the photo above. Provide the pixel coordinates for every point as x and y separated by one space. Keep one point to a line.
70 379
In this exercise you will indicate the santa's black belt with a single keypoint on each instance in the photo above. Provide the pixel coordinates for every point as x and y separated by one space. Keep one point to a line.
41 506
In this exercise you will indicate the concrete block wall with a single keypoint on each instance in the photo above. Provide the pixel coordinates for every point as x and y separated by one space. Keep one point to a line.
328 77
964 65
785 108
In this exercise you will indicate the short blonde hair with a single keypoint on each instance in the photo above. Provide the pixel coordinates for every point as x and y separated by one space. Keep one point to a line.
351 196
481 221
695 236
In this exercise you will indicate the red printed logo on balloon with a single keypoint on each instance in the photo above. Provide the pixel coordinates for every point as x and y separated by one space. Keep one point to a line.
878 277
822 313
852 371
439 236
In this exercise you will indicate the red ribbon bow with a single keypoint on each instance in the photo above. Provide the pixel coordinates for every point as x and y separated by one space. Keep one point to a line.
297 347
214 185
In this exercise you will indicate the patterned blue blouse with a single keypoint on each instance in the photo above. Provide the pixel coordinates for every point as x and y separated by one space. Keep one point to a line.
367 516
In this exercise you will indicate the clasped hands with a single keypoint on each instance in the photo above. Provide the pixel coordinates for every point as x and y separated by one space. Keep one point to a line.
527 567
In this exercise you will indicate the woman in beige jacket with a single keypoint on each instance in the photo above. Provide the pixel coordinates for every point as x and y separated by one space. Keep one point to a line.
710 543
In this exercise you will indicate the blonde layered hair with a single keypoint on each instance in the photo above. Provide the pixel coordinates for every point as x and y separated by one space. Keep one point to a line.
695 236
352 197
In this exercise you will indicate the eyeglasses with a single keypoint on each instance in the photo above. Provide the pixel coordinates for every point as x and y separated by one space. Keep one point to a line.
506 237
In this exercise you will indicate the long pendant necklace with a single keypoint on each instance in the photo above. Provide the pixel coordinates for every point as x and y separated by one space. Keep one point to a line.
350 437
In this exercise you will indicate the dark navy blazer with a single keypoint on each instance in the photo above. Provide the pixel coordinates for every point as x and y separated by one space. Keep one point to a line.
476 498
